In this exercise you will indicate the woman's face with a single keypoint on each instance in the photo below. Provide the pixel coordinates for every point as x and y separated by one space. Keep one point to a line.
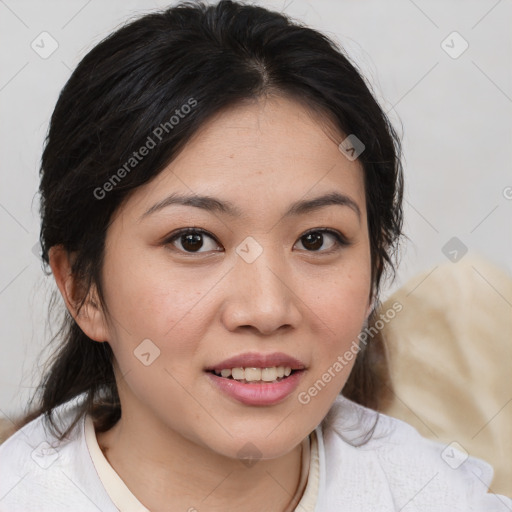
250 282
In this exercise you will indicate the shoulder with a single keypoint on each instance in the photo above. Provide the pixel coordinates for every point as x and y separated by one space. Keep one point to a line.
403 466
40 472
28 446
32 443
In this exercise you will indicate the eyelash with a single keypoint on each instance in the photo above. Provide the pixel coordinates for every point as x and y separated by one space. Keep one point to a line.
340 240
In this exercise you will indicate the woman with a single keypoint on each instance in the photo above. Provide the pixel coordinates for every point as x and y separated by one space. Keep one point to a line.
220 199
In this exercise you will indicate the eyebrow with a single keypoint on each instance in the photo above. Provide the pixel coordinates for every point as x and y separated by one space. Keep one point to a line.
212 204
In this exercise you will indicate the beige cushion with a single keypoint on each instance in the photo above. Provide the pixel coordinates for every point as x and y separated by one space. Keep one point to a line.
450 356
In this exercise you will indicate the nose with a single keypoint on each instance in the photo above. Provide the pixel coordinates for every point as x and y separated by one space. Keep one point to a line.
262 296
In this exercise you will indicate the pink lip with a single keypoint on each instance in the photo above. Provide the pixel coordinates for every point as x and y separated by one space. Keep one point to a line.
258 394
255 360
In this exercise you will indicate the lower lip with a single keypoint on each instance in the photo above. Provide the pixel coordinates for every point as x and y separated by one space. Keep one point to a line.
258 394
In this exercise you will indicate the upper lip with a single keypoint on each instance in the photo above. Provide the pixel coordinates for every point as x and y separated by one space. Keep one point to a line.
255 360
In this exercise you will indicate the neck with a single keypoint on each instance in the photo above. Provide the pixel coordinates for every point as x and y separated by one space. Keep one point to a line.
166 467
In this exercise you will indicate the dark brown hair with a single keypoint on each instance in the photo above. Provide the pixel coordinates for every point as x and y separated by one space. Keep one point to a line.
131 83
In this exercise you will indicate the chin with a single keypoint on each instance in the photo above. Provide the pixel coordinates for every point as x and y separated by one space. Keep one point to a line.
259 445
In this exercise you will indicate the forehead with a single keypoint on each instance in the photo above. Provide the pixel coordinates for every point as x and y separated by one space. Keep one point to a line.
261 156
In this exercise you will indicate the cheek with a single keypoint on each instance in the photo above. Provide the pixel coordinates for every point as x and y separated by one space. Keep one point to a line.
342 297
336 351
341 308
147 301
155 330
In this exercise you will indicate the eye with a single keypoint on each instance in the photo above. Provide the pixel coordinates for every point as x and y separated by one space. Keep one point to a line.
315 239
191 240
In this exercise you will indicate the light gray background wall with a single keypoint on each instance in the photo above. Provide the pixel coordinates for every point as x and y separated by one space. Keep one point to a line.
456 113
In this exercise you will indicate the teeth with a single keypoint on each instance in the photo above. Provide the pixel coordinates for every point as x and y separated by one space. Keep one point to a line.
238 373
256 374
252 374
268 374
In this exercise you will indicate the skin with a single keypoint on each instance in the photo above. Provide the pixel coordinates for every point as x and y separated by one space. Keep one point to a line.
178 438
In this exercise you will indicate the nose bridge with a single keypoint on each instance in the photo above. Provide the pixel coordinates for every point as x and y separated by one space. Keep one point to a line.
263 297
263 267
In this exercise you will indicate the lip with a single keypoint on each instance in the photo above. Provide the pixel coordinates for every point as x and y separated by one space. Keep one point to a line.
257 394
256 360
264 393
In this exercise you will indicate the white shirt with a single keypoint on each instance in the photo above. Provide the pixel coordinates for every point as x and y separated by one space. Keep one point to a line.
396 470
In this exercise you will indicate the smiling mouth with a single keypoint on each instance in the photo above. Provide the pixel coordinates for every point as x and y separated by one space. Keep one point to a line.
256 375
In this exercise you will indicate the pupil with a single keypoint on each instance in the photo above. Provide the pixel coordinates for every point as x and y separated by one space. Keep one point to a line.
315 238
194 241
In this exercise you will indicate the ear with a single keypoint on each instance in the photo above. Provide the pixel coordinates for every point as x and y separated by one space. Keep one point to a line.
90 318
